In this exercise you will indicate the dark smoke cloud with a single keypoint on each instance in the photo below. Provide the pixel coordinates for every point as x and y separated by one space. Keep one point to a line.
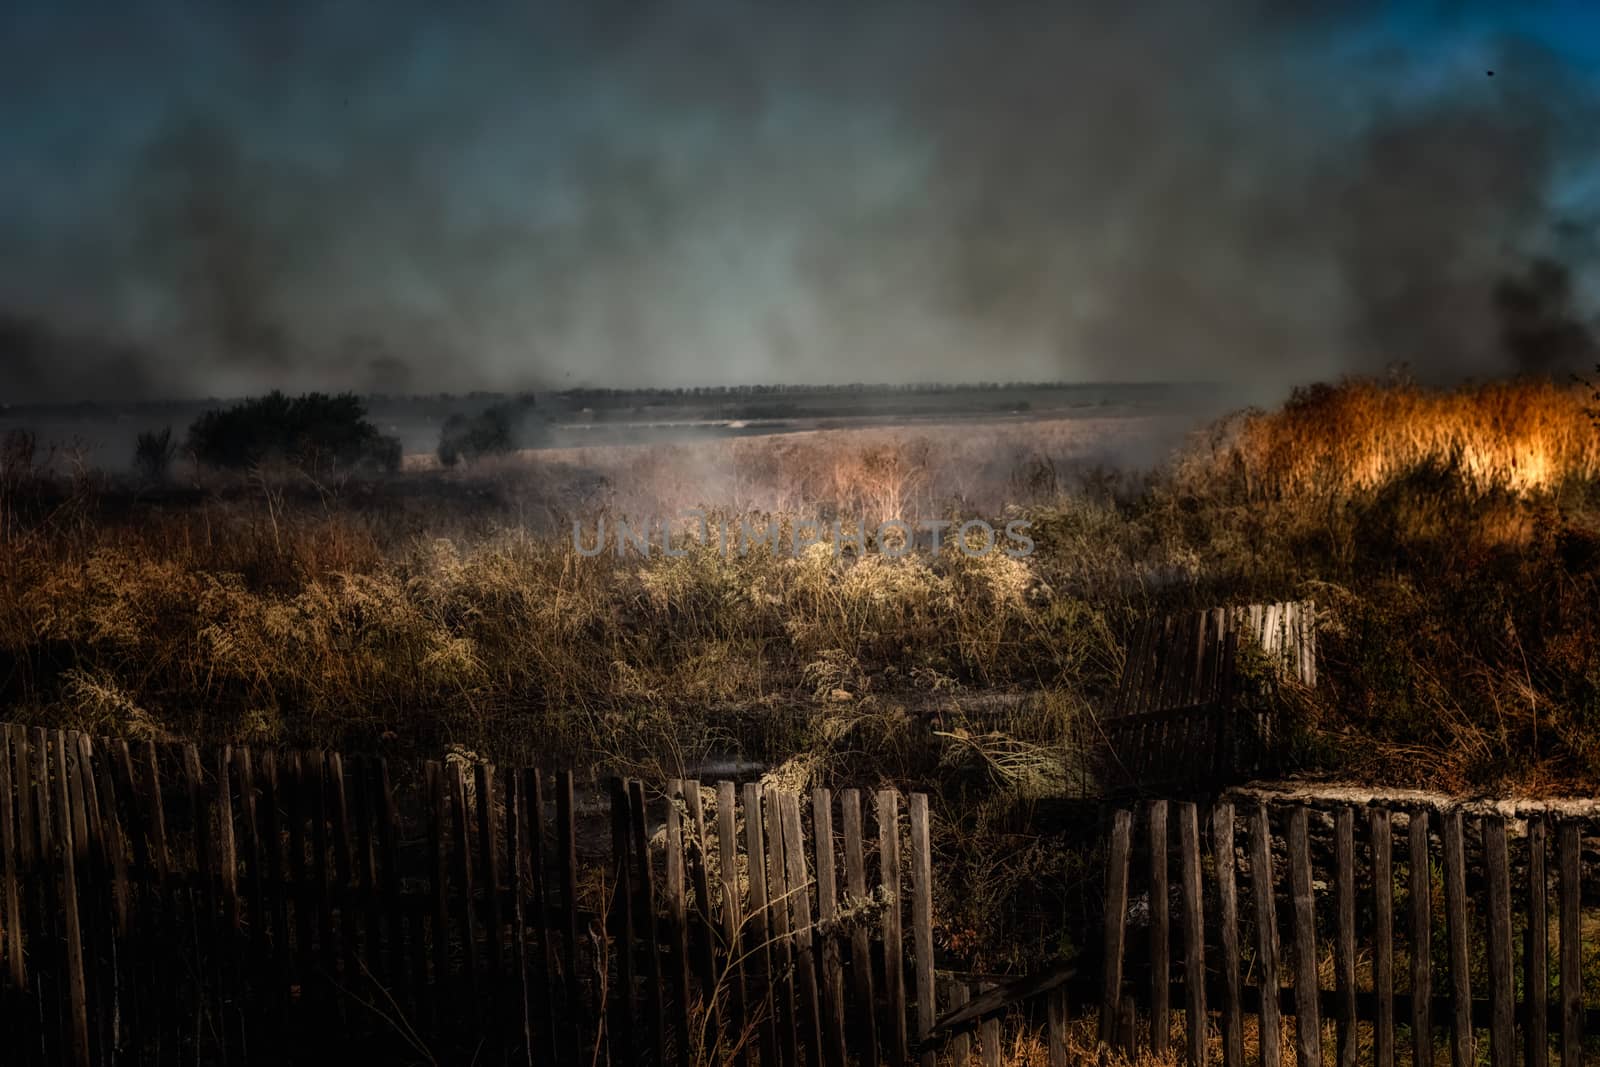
220 199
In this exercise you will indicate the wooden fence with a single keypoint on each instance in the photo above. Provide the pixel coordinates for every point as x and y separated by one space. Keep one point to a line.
1408 933
1181 716
161 907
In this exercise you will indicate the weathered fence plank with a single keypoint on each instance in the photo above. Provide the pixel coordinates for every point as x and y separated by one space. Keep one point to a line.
1421 890
1502 994
733 916
1228 934
1307 1023
1344 958
922 915
1569 844
1455 906
894 968
855 878
1536 971
1116 919
760 927
1383 935
1160 933
1194 932
828 918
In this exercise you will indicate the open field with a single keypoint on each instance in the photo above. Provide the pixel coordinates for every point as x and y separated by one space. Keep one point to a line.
1450 539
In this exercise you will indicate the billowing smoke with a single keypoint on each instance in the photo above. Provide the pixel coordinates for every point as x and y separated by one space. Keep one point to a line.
210 200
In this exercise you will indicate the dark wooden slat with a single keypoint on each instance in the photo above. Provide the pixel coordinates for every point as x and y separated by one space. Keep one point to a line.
520 1024
272 838
343 862
462 874
1160 934
760 908
1116 919
489 868
255 892
621 994
733 914
294 789
675 892
27 833
1056 1027
701 927
1502 994
956 997
1421 888
1228 934
364 790
439 869
1194 932
922 915
989 1034
893 958
1308 1023
1455 906
95 892
9 898
1569 844
67 828
544 875
1537 969
785 995
1344 963
827 919
227 847
644 892
855 887
388 813
1383 934
567 850
315 798
158 820
490 914
794 857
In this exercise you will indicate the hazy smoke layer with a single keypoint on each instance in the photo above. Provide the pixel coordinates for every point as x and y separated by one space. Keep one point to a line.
218 198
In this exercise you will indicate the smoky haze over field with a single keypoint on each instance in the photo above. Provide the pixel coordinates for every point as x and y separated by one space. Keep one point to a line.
215 200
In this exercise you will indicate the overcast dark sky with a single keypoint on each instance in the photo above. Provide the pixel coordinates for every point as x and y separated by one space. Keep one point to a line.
220 197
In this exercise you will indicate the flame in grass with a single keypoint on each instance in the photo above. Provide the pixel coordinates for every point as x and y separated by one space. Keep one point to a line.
1524 436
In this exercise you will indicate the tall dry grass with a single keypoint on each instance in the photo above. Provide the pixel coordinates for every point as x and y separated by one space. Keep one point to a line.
1524 435
1452 540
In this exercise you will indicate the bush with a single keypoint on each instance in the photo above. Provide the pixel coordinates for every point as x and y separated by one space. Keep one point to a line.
495 431
153 453
311 431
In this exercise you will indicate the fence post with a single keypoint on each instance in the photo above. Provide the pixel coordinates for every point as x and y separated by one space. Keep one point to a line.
1455 904
1569 845
1502 1015
1228 905
1194 932
1308 1022
1116 916
1383 934
1421 942
893 961
1537 973
1160 933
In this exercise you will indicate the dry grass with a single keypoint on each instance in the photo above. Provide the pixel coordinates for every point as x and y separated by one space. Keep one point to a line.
1452 540
1522 436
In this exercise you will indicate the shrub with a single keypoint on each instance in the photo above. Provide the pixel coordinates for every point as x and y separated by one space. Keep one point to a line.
153 453
311 431
494 431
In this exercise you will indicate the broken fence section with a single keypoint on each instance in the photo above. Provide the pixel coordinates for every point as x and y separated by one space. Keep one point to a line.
1337 934
158 905
1195 701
